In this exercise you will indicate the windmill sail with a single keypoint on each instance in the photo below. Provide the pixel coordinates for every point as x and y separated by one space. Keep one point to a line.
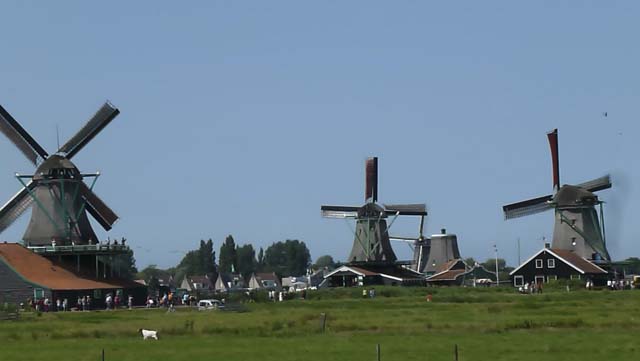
16 206
97 208
525 208
597 184
18 136
100 120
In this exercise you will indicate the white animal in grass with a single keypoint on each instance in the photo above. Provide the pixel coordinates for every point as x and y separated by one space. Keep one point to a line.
148 334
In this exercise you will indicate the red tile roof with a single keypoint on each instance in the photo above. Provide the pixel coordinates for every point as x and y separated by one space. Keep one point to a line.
577 261
39 270
446 276
364 271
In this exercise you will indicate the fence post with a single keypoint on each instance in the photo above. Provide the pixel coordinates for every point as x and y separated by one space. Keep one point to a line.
102 354
455 351
378 352
323 321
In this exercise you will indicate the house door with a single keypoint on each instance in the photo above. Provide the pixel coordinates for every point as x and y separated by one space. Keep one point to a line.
539 280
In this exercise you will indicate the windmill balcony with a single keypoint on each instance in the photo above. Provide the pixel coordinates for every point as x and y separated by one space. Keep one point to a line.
80 249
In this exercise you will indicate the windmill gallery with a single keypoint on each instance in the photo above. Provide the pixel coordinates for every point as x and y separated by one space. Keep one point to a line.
60 254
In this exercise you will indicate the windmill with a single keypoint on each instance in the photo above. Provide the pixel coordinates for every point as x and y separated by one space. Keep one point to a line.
56 191
371 236
577 227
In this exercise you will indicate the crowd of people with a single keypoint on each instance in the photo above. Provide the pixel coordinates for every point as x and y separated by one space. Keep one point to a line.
530 288
82 303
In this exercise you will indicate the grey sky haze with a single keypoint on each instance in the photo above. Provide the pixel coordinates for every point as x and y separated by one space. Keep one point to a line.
244 117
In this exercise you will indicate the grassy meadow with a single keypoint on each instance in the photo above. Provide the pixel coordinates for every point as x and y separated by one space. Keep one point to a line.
486 324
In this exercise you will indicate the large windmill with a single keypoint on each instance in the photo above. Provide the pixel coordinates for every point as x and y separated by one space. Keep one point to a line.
371 237
56 191
577 226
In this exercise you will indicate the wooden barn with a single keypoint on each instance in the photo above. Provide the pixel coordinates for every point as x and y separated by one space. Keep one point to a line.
553 264
26 275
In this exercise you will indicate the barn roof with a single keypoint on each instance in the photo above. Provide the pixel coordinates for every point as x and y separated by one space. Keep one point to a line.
449 275
577 261
387 271
41 271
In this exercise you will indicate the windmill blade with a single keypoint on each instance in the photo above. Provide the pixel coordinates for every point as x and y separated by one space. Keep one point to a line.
100 120
97 208
555 158
404 239
406 209
371 180
597 184
525 208
18 136
339 211
13 209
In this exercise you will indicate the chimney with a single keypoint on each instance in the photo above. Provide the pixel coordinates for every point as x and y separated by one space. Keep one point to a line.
547 245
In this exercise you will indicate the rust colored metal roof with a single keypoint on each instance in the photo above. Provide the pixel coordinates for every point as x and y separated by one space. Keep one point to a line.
446 276
577 261
39 270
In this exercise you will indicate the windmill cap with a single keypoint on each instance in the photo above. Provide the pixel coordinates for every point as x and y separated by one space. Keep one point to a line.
569 195
55 162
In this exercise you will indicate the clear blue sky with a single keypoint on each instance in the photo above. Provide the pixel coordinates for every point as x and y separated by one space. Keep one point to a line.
244 117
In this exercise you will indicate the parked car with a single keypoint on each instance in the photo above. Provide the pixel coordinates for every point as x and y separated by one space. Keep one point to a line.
210 305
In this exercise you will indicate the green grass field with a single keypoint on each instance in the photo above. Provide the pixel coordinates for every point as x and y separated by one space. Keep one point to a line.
486 324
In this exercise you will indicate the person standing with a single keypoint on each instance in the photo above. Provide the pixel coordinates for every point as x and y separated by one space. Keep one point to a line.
130 302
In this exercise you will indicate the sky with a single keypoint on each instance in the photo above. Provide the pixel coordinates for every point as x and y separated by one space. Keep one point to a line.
243 118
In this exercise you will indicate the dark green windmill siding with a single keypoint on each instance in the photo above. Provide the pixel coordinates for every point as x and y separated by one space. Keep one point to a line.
14 288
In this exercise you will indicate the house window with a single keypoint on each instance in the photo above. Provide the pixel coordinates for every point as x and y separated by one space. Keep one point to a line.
551 263
575 277
538 263
552 278
518 281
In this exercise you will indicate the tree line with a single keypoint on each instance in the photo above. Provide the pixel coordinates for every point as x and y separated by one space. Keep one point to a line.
286 258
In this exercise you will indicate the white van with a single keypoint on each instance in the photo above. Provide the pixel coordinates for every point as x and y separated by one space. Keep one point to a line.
209 305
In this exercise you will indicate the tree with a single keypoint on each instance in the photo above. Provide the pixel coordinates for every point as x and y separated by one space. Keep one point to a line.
126 264
246 260
470 261
490 264
632 265
148 272
197 262
208 256
324 261
288 258
228 257
260 265
153 285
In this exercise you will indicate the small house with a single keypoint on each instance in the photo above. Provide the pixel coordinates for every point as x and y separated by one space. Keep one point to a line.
229 282
196 283
552 264
265 281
